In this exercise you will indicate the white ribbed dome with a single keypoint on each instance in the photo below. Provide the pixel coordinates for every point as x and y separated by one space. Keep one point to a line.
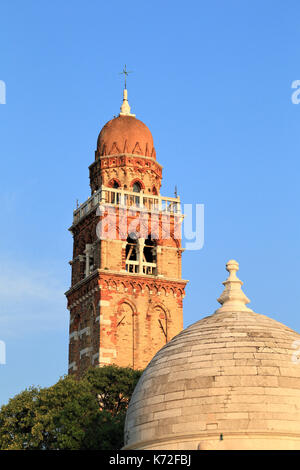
230 380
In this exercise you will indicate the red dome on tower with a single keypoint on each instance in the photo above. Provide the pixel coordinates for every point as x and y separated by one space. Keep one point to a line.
125 134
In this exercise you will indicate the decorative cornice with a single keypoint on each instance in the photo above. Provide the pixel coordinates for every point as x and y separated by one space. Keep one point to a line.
134 276
124 154
121 278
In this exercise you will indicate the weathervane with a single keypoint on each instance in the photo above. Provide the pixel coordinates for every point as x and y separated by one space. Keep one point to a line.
125 72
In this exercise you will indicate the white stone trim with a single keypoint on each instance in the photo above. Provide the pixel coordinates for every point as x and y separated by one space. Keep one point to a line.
94 357
73 366
103 321
73 335
85 330
85 351
104 350
105 360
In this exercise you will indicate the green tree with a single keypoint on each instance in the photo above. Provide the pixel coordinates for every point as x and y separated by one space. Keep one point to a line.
113 387
84 414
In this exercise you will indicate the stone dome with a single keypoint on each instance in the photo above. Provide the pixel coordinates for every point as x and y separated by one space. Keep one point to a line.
229 381
125 134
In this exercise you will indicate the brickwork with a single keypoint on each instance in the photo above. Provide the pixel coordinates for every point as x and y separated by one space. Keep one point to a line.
116 316
122 319
126 169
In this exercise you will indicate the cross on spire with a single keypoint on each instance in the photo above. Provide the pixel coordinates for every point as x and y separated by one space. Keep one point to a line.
125 72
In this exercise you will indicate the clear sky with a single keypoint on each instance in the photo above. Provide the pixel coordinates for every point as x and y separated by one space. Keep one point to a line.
212 80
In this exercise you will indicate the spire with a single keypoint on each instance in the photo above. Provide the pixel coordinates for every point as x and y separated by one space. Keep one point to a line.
125 108
233 298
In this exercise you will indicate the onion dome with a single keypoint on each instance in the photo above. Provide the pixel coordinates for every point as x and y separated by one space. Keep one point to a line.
125 134
229 381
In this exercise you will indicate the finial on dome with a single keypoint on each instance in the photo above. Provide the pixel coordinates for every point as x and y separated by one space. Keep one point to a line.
233 298
125 108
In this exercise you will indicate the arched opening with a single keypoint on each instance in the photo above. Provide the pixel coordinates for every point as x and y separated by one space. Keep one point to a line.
137 187
149 256
141 255
132 255
132 200
114 196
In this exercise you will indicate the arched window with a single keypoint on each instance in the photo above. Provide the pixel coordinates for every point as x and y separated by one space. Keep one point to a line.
141 255
134 200
132 256
137 187
114 197
149 256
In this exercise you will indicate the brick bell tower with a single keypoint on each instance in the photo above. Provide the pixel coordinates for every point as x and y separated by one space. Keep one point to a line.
125 299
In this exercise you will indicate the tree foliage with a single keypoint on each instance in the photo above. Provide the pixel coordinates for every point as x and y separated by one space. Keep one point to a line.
84 414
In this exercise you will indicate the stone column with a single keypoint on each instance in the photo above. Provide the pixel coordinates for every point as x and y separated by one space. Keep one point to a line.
140 246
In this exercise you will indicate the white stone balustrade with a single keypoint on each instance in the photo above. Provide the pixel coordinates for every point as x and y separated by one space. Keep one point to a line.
119 197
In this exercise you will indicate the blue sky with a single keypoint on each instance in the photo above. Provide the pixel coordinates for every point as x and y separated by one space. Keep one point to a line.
212 80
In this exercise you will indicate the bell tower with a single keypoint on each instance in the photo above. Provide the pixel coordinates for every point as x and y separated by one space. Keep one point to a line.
126 293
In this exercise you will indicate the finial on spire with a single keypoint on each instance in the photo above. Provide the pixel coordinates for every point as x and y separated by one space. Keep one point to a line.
233 298
125 108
